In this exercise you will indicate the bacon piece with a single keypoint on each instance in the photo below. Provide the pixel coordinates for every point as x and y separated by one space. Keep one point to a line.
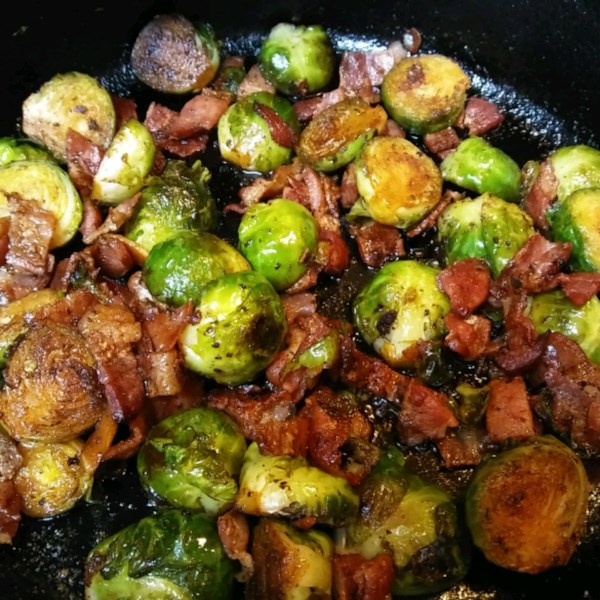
92 218
332 252
4 240
541 196
430 220
254 82
10 457
124 449
116 218
234 532
358 578
392 129
83 160
10 511
461 448
480 116
348 190
469 337
441 143
199 114
281 132
467 285
112 255
580 287
376 242
125 109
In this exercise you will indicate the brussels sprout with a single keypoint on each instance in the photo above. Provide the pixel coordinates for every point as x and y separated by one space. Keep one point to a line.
297 59
399 307
192 460
177 200
335 135
52 477
480 167
67 101
173 55
241 327
414 520
168 556
289 563
279 238
398 184
486 227
425 93
576 167
246 136
526 506
553 311
124 167
287 486
46 183
13 149
577 220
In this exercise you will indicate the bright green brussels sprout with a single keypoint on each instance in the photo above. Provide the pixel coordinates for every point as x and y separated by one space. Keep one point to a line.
192 460
279 238
398 184
553 311
177 269
399 307
241 327
13 149
177 200
171 555
577 220
297 59
414 520
425 93
480 167
246 138
486 227
335 135
287 486
526 506
576 167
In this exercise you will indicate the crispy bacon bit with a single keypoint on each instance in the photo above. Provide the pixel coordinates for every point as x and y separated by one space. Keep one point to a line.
4 241
333 252
234 532
10 511
461 447
348 190
541 196
116 218
83 160
480 116
112 255
430 220
125 108
358 578
254 82
199 114
392 129
580 287
376 242
469 337
138 429
441 143
92 218
467 285
281 132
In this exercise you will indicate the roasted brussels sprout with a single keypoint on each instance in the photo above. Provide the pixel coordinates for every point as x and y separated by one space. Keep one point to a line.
170 555
526 506
177 270
279 238
192 460
297 59
414 520
13 149
178 200
425 93
486 227
241 327
287 486
258 132
289 563
67 101
576 167
399 307
335 135
173 55
398 184
478 166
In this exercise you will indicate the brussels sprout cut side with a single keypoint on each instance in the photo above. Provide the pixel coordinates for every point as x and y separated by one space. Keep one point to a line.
576 167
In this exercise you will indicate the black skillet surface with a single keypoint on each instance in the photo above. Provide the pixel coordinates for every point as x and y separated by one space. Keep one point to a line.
537 60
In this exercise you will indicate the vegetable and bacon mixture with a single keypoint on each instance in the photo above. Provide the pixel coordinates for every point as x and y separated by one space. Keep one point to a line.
131 329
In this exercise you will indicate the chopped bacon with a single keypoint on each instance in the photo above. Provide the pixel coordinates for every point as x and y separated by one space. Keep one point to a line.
348 189
10 457
116 218
392 129
234 532
254 82
541 196
480 116
469 336
83 160
124 449
199 114
461 447
333 252
580 287
441 143
92 218
467 285
125 109
359 578
112 255
430 219
281 132
4 240
164 327
376 242
10 511
163 373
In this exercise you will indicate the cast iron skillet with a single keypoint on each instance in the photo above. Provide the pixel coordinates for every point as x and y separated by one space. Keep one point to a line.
537 60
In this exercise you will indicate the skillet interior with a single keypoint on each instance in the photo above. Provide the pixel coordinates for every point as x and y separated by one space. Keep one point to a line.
538 66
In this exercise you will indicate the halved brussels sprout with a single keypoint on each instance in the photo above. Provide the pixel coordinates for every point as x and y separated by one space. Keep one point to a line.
173 55
486 227
526 507
69 101
13 149
241 327
192 460
279 238
171 555
576 167
478 166
398 184
335 136
297 59
399 307
126 164
246 132
425 93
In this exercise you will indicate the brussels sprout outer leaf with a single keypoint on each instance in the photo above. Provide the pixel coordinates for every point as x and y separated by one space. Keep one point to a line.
576 167
13 149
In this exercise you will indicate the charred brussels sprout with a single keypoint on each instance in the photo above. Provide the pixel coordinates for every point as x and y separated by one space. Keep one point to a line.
486 227
425 93
297 59
177 200
13 149
480 167
173 55
192 460
335 136
258 132
576 167
287 486
241 327
177 270
398 184
279 238
399 307
171 555
526 507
